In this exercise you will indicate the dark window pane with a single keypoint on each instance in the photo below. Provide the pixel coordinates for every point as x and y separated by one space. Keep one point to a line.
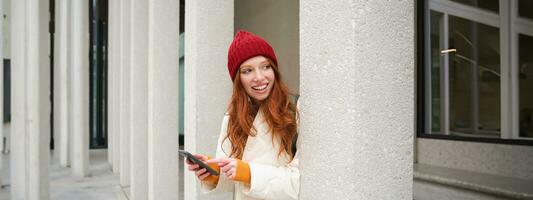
492 5
525 8
525 82
474 78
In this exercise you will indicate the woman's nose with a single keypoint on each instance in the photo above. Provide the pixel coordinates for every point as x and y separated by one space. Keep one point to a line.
258 76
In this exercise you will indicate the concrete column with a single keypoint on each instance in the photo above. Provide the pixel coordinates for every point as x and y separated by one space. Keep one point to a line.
110 83
209 26
7 55
125 91
61 83
357 93
31 104
1 91
70 109
55 99
80 87
139 97
18 102
38 98
163 67
116 12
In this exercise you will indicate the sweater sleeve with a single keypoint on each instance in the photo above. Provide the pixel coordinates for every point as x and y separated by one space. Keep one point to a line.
224 184
270 182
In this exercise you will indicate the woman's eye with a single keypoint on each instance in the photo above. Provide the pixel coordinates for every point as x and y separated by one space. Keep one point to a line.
246 71
267 67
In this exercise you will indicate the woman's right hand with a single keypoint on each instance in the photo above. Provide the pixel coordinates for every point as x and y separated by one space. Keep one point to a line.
201 173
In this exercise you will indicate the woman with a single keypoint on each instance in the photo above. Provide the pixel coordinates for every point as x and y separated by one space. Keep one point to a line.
255 153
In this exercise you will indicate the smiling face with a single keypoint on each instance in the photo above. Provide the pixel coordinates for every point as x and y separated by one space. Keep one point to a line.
257 77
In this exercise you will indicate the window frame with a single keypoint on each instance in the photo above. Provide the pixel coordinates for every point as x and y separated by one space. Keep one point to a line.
509 133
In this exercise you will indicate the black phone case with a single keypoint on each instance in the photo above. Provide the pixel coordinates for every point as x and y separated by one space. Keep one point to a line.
193 159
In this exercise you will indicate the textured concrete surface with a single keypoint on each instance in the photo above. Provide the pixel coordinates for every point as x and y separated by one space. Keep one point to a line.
482 183
110 82
6 25
432 191
101 185
163 90
38 107
497 159
2 84
114 65
18 85
208 87
61 134
79 46
357 99
125 92
139 126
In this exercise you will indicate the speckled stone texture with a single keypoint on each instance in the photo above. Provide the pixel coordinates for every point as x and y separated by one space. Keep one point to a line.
431 191
125 92
208 87
357 99
139 101
163 90
497 159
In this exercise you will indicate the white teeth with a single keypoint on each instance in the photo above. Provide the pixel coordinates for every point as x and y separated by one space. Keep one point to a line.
260 87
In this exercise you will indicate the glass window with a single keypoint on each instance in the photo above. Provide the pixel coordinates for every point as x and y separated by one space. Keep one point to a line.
525 8
525 82
435 70
474 76
492 5
465 60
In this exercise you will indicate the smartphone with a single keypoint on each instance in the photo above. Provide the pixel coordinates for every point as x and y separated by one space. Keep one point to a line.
195 160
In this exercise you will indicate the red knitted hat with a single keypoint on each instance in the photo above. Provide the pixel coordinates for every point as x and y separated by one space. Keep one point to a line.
246 45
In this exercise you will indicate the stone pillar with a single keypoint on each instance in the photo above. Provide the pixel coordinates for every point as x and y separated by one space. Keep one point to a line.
61 134
163 67
38 98
209 26
31 103
110 83
125 97
18 102
357 93
139 97
70 109
117 60
80 87
1 91
56 120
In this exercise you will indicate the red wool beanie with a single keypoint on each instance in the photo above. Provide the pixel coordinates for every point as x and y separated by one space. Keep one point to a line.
246 45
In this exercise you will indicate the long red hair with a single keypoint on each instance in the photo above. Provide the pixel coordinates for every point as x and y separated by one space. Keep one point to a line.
277 109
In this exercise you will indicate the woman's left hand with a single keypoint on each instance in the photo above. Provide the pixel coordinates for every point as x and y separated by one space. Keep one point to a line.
228 166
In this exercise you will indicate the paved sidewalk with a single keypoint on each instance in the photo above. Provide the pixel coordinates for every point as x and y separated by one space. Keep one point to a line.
102 184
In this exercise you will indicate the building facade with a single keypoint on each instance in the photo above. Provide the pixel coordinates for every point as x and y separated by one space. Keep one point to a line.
398 100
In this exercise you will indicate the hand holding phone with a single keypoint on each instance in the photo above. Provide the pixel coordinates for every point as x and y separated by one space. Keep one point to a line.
195 160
